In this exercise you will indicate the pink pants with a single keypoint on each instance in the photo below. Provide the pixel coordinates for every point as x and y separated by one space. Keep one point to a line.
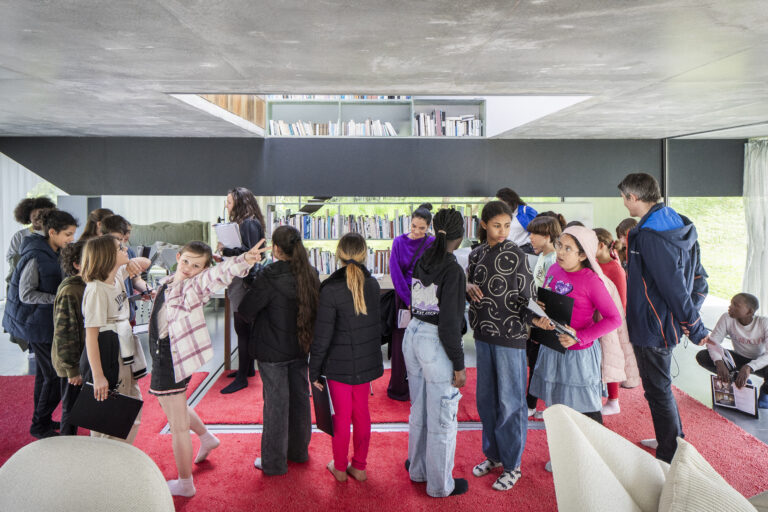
350 405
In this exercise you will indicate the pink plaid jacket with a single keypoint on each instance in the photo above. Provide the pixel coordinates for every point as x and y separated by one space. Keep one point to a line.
190 341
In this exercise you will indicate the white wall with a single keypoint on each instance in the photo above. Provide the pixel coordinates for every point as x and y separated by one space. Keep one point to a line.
15 182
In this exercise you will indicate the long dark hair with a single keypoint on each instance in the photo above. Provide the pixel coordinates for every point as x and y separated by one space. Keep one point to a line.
287 238
91 228
244 206
491 210
57 220
510 197
449 226
352 251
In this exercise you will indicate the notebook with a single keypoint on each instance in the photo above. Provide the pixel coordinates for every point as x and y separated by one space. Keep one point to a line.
114 416
228 234
323 407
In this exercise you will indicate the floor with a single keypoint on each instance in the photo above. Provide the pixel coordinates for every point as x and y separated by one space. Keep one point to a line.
687 374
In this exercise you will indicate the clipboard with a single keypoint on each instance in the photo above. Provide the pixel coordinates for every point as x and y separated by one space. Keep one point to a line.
114 416
323 407
228 233
559 309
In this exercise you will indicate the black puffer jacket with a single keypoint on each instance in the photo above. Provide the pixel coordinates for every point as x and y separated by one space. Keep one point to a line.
347 347
271 309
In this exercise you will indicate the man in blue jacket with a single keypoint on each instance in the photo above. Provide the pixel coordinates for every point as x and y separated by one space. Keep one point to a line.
665 290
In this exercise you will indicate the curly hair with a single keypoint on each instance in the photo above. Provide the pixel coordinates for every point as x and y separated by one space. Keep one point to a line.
26 206
244 206
69 255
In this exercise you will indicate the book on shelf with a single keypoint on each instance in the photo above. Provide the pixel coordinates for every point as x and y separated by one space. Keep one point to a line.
368 128
377 260
437 124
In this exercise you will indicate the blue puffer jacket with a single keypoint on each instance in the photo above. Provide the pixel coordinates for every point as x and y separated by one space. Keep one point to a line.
666 281
33 322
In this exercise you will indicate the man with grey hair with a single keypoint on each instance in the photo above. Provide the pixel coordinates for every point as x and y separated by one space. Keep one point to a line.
666 286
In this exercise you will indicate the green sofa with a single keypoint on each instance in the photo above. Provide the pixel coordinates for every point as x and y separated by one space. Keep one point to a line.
177 233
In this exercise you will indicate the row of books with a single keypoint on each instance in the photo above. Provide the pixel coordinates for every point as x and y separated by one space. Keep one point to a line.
334 97
368 128
333 227
437 124
325 262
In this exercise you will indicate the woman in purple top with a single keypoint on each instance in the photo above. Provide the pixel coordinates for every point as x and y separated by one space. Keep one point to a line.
406 249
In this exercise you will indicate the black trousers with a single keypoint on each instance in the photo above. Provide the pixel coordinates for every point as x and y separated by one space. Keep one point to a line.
287 416
245 363
47 388
398 379
69 394
706 362
532 351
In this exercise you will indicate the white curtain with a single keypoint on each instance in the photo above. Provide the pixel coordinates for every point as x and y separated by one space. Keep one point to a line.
15 182
756 212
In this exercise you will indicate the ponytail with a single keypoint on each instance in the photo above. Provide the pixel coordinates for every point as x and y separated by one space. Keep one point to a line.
352 251
448 225
287 238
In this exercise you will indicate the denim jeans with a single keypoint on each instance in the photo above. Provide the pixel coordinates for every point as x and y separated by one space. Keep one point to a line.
287 419
653 363
501 383
432 424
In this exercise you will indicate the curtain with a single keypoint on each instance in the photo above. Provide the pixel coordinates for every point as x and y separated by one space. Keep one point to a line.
756 212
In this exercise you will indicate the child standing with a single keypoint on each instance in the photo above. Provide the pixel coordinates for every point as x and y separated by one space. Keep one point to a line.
113 358
69 332
622 230
179 343
434 359
498 280
29 309
574 378
281 305
347 350
618 361
749 335
544 230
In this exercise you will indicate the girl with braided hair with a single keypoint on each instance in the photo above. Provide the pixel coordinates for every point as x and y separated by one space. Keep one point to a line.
347 350
434 358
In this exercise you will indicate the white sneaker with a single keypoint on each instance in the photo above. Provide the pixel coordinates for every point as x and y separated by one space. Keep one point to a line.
507 480
548 466
531 412
611 407
485 467
257 464
650 443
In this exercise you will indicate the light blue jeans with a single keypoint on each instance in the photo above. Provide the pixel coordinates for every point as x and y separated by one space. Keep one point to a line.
502 373
432 424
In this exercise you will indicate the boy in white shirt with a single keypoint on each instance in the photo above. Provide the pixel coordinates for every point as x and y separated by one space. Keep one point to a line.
749 334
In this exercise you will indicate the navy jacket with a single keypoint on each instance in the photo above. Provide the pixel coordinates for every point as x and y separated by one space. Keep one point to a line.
666 281
33 322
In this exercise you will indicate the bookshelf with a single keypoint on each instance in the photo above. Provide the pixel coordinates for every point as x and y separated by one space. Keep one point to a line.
323 228
365 116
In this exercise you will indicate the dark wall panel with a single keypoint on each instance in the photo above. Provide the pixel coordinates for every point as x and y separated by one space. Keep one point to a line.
388 167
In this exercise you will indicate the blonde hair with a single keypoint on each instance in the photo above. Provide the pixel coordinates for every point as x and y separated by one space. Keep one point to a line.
99 258
352 251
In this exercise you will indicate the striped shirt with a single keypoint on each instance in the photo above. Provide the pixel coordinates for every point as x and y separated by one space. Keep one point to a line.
191 344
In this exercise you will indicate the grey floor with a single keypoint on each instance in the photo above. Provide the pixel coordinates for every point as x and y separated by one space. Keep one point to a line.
688 376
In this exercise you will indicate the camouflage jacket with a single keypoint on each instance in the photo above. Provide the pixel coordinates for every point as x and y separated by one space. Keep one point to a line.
68 327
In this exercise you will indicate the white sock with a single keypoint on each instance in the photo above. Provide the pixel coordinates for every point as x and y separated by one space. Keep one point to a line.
611 407
182 487
207 443
650 443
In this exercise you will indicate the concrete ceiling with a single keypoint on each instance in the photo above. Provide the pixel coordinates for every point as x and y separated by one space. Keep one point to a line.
654 68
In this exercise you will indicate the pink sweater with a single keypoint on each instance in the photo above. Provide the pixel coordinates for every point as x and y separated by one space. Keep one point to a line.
589 294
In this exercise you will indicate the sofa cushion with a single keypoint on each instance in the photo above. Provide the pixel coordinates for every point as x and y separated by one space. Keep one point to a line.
596 469
692 484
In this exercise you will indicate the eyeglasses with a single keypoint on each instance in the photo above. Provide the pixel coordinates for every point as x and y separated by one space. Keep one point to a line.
565 248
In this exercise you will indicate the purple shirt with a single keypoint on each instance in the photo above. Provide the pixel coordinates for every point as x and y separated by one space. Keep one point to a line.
589 294
402 253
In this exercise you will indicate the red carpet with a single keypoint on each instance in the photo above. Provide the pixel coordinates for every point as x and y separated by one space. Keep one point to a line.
15 420
229 482
245 406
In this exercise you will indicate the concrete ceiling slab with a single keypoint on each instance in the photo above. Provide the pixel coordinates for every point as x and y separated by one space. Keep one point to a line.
653 68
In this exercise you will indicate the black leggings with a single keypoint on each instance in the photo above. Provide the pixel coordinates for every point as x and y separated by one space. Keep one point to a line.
597 416
245 364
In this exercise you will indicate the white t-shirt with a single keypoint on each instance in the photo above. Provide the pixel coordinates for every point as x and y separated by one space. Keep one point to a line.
517 233
542 265
748 340
106 305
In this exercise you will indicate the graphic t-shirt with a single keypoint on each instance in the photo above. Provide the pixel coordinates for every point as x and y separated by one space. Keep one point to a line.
106 305
749 341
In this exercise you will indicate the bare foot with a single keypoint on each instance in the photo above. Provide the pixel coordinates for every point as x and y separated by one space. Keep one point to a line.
341 476
357 474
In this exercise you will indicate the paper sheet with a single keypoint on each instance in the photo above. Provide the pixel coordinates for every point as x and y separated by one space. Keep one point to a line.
228 234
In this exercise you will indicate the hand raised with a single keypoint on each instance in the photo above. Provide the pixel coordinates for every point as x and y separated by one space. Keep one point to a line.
254 255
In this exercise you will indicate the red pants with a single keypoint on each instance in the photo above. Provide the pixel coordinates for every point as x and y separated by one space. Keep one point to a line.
350 405
613 390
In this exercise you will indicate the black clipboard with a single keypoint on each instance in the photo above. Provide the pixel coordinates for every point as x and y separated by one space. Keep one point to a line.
114 416
559 309
323 407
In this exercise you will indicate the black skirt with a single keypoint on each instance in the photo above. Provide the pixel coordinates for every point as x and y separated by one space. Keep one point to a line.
163 381
109 354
